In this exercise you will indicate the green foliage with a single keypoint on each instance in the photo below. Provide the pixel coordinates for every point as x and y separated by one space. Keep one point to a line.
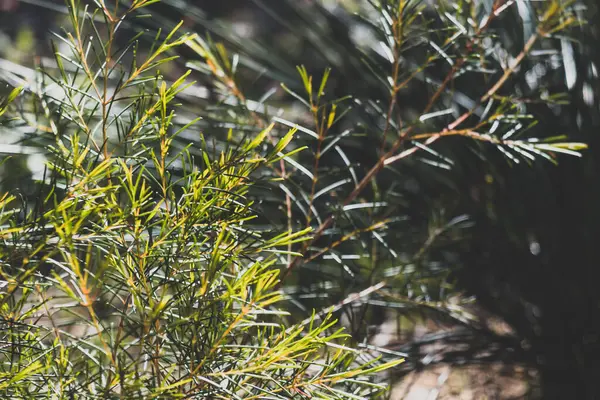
409 130
136 271
357 162
438 85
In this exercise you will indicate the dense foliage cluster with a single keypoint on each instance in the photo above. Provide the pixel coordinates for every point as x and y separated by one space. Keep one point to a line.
214 202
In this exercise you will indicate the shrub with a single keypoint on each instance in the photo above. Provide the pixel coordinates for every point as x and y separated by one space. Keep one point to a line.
134 270
391 182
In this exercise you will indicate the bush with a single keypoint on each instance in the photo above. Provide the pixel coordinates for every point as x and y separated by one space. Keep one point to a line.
393 181
134 271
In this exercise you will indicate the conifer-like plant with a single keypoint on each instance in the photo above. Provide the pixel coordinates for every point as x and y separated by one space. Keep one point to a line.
339 161
133 270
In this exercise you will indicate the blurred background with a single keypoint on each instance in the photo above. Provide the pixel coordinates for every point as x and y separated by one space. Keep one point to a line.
491 264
